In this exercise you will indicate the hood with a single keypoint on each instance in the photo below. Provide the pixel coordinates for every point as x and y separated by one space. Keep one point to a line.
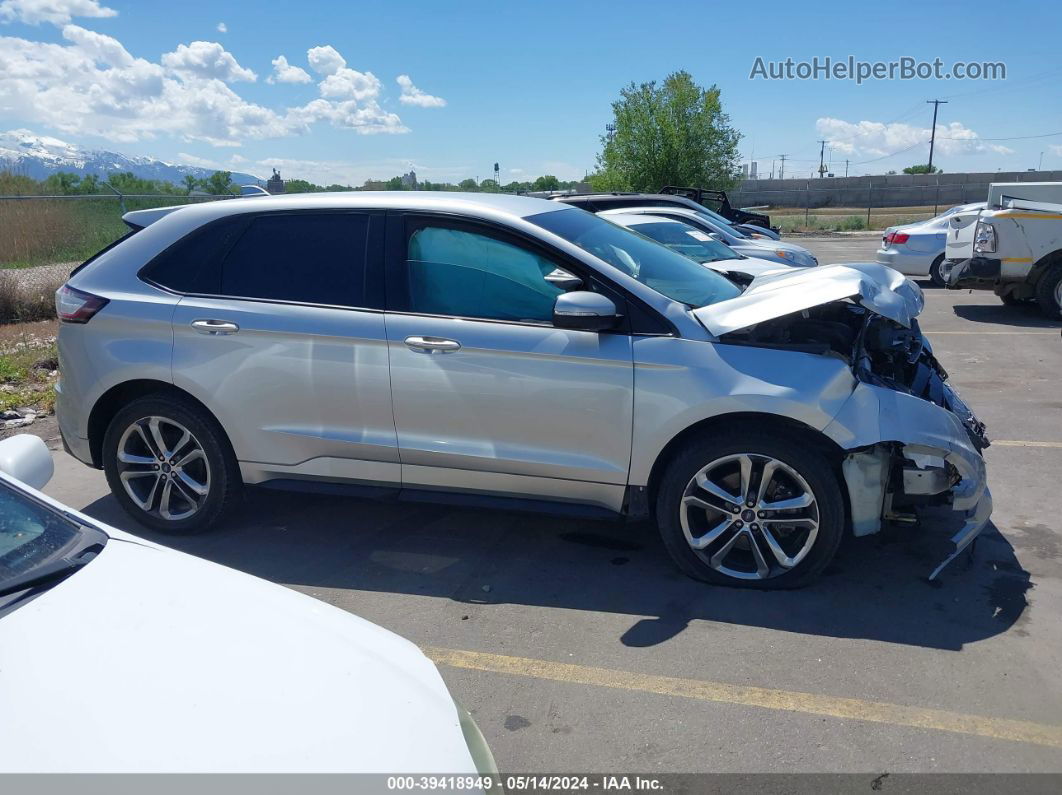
149 660
754 267
878 288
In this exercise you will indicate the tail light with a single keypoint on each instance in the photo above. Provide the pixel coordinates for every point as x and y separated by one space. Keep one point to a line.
77 306
897 237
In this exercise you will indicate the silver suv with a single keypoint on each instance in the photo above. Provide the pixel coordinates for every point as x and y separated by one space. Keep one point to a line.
512 352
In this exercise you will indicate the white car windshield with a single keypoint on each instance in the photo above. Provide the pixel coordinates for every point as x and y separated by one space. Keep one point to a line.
686 240
654 265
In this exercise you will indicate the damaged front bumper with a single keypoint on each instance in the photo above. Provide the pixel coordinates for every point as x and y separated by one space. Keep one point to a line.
905 450
974 273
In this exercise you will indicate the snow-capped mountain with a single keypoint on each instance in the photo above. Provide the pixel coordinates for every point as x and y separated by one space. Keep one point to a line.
37 156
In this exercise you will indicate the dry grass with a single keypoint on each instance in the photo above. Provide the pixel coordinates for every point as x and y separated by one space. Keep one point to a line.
27 295
848 219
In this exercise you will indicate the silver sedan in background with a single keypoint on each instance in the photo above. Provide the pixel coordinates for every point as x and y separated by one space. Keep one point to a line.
918 249
772 250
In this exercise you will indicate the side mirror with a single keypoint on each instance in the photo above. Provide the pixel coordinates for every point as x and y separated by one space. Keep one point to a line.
584 311
563 280
26 458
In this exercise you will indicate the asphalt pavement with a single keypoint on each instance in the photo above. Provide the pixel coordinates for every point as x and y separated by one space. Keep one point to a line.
578 647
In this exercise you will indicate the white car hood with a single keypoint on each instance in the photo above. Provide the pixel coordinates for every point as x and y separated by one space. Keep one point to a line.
149 660
879 288
750 266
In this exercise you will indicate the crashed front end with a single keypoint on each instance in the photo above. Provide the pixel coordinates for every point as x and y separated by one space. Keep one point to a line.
908 437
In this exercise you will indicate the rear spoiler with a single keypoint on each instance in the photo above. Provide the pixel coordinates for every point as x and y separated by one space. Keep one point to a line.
717 200
138 219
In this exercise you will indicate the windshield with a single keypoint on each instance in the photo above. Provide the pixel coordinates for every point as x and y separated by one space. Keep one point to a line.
30 533
686 240
654 265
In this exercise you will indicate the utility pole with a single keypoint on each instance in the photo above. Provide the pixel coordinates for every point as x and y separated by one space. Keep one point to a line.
1041 166
822 150
846 167
781 167
936 103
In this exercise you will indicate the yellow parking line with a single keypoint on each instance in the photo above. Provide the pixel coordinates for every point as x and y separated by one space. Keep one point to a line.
807 703
1019 443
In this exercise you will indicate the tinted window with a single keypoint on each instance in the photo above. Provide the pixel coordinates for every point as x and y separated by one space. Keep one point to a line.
453 272
314 258
192 264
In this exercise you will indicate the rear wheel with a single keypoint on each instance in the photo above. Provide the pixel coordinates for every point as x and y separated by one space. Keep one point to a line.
750 510
1049 291
169 465
935 275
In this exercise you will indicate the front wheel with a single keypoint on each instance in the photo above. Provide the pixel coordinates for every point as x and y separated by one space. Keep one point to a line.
1049 291
750 510
169 465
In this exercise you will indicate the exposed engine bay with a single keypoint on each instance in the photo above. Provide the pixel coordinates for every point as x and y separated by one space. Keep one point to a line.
880 352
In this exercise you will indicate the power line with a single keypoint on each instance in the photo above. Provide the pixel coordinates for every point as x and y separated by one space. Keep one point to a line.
781 168
1012 138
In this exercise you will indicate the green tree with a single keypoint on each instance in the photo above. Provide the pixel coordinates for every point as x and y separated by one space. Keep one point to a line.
489 186
546 182
62 183
190 183
90 183
468 184
300 186
220 182
395 183
924 168
673 133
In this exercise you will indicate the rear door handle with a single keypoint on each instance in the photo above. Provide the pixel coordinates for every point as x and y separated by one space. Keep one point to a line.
215 326
433 344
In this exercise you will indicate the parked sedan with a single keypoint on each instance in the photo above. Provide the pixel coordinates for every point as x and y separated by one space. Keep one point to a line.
699 246
599 202
120 656
918 249
772 250
504 350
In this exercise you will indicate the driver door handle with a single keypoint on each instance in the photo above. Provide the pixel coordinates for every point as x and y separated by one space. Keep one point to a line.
433 344
215 326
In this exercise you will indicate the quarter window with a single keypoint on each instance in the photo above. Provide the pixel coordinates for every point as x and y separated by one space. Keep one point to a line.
455 272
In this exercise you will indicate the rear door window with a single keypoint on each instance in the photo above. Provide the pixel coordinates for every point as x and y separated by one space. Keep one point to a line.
313 258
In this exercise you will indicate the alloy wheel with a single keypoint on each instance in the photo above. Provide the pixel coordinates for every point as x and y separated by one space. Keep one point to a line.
163 468
749 516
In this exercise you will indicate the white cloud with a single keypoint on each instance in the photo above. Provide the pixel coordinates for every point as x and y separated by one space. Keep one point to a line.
325 60
878 139
411 95
223 28
91 85
1056 149
207 59
56 12
283 72
347 83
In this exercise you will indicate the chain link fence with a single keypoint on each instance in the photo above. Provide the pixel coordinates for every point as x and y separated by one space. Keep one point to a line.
42 238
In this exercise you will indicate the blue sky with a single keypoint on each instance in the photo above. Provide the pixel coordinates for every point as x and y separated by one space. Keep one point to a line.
526 84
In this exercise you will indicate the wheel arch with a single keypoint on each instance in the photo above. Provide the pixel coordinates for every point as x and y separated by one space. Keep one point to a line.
752 421
118 396
1042 265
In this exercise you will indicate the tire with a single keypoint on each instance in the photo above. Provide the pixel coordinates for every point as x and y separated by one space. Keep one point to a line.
1049 291
934 272
721 455
1009 299
202 461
